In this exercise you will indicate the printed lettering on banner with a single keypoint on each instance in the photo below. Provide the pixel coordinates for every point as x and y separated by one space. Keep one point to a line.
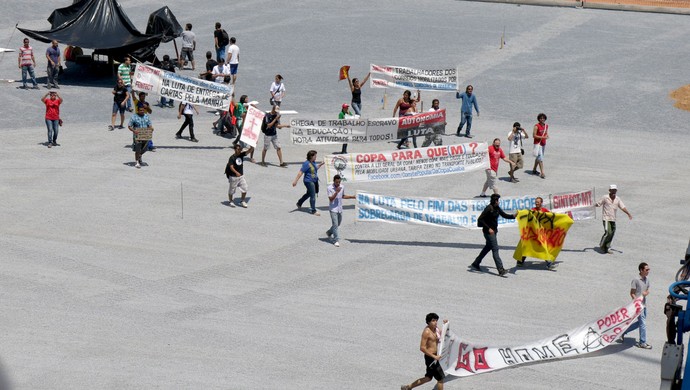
444 79
252 126
542 234
462 358
578 205
158 82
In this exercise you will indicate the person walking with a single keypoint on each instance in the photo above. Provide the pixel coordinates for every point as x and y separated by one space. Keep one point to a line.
538 202
54 64
277 91
188 46
233 58
120 96
234 171
540 135
488 221
138 122
27 63
609 206
336 194
431 337
188 110
516 150
270 127
639 287
220 41
356 90
52 101
311 181
469 100
495 155
407 106
124 73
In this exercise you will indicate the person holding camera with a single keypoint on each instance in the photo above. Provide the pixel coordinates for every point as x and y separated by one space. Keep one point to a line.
516 151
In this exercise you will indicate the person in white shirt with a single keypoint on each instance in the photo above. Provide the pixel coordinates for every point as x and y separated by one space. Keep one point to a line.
336 194
609 205
233 58
277 91
221 72
516 151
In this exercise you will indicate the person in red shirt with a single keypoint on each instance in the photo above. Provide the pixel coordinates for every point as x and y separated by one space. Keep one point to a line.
52 100
538 201
540 135
495 154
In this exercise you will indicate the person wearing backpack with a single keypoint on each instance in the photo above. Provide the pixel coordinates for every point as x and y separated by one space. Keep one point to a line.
220 40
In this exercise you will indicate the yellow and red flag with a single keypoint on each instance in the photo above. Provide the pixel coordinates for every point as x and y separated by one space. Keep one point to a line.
343 72
542 234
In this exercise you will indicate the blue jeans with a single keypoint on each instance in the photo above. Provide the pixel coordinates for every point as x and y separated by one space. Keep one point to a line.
30 70
641 324
52 75
220 53
167 102
336 219
491 245
357 107
465 118
609 231
129 101
311 194
53 127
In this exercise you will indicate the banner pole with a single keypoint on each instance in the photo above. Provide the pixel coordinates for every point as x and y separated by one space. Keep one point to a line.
182 200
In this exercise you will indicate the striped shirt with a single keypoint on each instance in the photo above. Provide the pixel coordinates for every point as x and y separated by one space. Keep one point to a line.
123 71
26 54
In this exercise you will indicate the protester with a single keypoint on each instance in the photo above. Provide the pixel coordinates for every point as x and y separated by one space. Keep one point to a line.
221 72
240 114
277 91
469 100
540 135
269 127
139 121
495 155
516 150
344 114
639 287
210 64
120 96
311 181
220 41
407 106
233 58
433 137
356 89
431 337
124 73
336 194
609 206
141 102
26 62
188 46
225 125
54 64
538 202
52 101
188 110
167 65
235 174
488 221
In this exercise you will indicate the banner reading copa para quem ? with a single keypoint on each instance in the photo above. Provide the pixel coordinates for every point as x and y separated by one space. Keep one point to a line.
408 164
175 86
366 130
444 79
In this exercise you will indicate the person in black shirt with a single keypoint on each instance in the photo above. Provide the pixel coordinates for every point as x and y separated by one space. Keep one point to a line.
235 173
210 64
120 96
269 127
167 65
488 221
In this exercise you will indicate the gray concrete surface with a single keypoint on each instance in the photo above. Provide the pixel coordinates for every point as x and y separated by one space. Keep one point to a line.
105 285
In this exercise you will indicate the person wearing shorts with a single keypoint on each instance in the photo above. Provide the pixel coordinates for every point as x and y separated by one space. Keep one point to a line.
495 154
269 128
516 149
540 135
138 121
120 97
431 337
188 46
233 58
235 173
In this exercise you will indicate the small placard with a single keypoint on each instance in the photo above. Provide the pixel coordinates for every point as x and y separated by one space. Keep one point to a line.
144 134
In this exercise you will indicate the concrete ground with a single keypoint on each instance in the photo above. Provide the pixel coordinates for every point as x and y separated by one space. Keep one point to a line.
114 277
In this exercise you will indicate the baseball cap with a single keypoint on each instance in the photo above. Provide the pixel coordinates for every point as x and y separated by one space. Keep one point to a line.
613 187
345 105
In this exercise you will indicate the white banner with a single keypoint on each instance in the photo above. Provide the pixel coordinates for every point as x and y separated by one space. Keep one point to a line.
578 206
158 82
251 128
408 164
409 78
455 213
363 130
462 358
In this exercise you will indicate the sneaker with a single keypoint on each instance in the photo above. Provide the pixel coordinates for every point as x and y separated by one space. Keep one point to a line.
299 206
56 144
316 213
643 346
483 196
469 136
177 136
475 267
521 263
502 273
621 339
137 165
263 164
50 145
194 140
111 127
337 244
243 204
232 204
550 265
283 165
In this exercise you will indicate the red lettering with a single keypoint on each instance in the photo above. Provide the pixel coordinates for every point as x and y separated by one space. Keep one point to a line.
463 359
480 362
365 158
456 149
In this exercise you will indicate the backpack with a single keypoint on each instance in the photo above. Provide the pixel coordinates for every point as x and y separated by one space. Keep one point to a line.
264 125
225 38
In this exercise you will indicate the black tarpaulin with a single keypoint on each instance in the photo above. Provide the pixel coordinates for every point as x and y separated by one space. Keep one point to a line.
98 24
62 15
162 21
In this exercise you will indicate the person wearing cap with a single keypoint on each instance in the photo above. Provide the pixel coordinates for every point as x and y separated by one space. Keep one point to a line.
488 221
609 205
52 100
495 154
516 149
344 114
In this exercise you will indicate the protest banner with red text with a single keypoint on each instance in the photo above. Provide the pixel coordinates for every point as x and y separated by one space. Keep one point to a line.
542 234
252 126
463 358
578 205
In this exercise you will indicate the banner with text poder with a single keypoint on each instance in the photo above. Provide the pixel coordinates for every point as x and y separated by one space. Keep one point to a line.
461 358
410 78
252 126
456 213
542 234
363 130
407 164
171 85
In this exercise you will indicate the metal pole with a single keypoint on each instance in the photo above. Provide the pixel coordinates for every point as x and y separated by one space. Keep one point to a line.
182 200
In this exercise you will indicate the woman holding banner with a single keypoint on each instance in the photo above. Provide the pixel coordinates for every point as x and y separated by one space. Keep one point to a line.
311 181
407 106
356 89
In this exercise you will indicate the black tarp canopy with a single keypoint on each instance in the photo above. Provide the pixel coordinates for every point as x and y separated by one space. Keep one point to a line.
95 24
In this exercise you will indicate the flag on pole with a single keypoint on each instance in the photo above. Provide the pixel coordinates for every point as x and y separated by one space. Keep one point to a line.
343 72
